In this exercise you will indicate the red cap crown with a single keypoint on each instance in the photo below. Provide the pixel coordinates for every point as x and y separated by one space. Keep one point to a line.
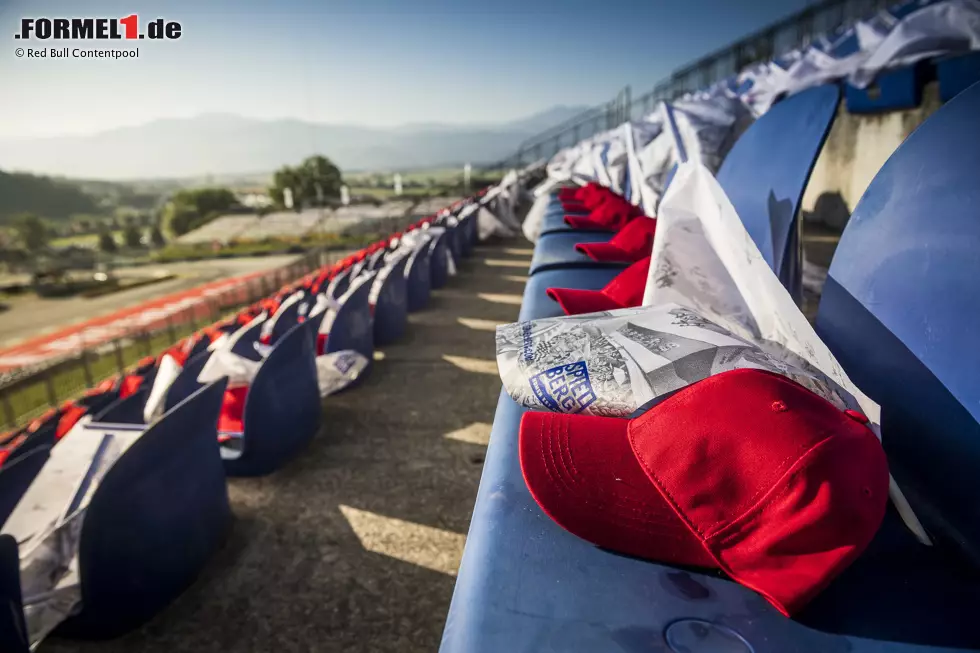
624 291
745 471
632 243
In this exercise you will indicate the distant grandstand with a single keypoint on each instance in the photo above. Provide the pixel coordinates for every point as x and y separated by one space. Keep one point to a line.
222 229
291 224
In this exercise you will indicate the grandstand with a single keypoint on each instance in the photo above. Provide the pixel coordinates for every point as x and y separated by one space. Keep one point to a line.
222 229
290 224
285 224
363 217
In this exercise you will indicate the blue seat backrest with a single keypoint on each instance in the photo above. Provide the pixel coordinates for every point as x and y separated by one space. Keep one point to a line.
900 311
167 488
97 402
282 408
286 320
16 476
126 411
766 172
245 345
186 382
200 346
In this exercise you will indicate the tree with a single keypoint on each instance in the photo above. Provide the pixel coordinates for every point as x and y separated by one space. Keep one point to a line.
31 232
156 237
132 236
190 209
314 180
285 177
106 242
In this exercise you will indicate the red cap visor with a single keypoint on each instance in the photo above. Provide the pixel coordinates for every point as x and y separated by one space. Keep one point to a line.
583 473
605 252
578 302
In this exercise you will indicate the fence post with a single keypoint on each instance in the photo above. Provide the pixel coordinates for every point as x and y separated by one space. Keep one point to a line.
49 386
120 362
86 369
171 334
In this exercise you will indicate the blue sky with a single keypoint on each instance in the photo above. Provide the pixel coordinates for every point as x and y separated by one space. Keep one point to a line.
368 62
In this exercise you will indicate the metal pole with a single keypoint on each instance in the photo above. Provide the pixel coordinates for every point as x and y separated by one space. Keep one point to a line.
86 369
49 386
120 362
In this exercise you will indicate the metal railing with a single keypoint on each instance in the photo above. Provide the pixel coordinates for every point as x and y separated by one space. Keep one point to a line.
27 393
797 31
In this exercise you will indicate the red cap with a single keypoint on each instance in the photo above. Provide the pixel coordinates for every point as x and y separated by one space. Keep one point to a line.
232 417
630 244
624 291
70 414
130 384
745 471
612 215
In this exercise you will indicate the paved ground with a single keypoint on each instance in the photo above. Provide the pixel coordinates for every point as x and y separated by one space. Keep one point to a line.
29 317
354 546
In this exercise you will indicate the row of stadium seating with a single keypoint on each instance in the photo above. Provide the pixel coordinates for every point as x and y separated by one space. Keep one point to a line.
126 485
897 312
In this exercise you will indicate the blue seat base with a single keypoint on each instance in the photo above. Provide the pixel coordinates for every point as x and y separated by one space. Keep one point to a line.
536 303
557 250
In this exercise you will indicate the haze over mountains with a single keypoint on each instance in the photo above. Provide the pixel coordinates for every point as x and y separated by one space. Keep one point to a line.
222 144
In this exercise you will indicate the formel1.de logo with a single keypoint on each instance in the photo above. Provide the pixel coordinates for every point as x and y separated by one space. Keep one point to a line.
98 29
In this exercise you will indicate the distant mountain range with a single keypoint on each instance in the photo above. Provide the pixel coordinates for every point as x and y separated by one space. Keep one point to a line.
223 144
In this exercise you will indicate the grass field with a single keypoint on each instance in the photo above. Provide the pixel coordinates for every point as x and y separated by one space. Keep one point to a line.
86 240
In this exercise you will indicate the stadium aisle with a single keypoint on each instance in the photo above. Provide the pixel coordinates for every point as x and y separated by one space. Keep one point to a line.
354 546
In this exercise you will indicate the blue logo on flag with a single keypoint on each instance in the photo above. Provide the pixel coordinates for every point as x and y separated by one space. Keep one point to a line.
564 389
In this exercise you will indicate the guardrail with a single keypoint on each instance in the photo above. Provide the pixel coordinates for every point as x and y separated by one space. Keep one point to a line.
796 31
27 393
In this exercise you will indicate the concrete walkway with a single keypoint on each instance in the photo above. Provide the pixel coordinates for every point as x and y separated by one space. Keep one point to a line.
354 546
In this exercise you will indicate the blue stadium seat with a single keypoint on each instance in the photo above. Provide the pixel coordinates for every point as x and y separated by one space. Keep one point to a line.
16 476
282 407
554 220
245 344
439 268
186 382
353 327
557 250
956 74
391 308
168 487
418 278
285 321
125 411
892 90
280 404
339 284
899 311
43 437
470 226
